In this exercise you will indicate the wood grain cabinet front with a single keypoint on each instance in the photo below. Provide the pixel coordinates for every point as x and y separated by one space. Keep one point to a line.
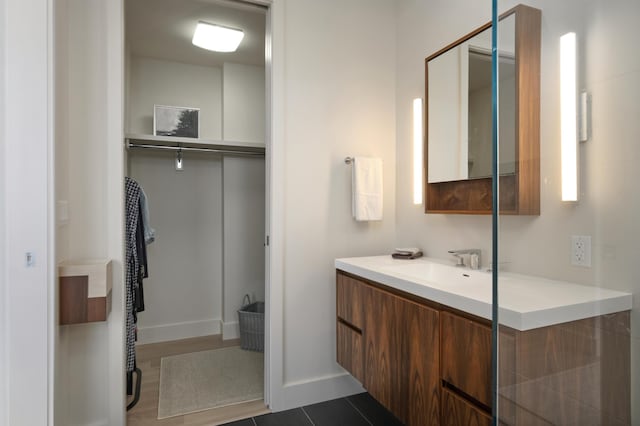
420 350
458 412
400 348
426 365
466 356
350 354
349 300
350 350
430 364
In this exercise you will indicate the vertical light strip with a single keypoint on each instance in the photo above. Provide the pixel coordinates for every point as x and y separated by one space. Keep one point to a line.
417 151
568 117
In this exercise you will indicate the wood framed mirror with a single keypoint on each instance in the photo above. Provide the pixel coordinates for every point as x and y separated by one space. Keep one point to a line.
457 116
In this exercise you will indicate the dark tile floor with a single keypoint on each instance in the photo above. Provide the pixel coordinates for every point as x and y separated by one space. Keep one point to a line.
356 410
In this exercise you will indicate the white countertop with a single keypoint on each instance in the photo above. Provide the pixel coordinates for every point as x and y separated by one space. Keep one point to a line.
526 302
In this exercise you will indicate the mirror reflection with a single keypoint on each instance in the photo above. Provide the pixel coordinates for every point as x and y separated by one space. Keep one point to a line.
459 108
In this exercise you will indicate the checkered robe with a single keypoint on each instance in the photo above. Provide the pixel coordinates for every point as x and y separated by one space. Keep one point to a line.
132 209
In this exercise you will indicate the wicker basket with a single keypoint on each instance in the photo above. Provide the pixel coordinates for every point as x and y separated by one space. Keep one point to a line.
251 318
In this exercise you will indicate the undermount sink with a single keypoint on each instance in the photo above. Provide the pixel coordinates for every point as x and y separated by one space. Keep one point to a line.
440 273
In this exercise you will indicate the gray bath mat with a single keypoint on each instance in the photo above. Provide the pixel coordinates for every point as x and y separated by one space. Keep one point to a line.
200 381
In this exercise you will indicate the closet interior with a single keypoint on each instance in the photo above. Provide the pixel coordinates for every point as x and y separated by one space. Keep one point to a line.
206 201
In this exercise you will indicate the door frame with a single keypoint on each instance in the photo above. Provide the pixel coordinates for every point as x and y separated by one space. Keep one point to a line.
274 202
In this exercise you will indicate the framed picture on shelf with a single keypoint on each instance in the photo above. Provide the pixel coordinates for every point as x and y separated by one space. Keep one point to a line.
176 121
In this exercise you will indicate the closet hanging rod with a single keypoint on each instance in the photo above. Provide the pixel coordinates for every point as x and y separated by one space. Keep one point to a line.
201 149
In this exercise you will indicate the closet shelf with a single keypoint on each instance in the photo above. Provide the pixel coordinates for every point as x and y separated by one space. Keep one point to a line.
150 141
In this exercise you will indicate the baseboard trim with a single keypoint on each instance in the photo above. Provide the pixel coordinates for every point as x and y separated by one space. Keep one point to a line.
230 330
312 391
177 331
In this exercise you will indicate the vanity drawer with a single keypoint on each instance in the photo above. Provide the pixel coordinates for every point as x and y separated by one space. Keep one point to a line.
458 412
349 300
466 356
350 355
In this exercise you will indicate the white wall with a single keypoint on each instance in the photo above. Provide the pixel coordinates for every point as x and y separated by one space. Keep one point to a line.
243 102
61 381
243 89
114 12
422 29
338 86
243 253
183 294
4 329
155 81
609 205
81 181
89 364
27 142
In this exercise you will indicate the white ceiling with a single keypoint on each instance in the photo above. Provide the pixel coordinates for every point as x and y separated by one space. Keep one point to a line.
163 29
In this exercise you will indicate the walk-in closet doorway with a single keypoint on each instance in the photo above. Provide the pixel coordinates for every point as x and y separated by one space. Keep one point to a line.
201 185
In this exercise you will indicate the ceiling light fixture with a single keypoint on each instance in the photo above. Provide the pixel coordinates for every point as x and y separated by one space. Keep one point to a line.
216 37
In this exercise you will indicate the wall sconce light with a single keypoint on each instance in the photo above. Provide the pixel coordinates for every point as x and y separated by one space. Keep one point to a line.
417 150
568 117
584 117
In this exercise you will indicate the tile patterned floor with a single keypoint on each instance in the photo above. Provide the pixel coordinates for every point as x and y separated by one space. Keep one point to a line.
356 410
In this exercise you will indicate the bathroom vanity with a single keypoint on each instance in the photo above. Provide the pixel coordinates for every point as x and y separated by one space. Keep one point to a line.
417 335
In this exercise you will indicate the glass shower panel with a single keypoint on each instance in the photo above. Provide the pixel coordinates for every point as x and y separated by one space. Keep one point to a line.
569 294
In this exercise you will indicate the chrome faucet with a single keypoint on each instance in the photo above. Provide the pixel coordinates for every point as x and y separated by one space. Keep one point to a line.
474 257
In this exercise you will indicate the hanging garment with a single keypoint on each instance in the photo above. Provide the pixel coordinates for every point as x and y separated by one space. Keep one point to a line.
141 252
135 262
137 230
149 232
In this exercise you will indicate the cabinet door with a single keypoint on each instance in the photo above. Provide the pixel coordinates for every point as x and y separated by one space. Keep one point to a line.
350 355
458 412
382 364
349 300
402 355
420 351
466 356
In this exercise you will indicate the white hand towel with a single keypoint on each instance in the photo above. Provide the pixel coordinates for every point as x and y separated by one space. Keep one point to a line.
367 189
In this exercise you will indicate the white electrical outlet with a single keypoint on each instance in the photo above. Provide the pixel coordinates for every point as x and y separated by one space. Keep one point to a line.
581 250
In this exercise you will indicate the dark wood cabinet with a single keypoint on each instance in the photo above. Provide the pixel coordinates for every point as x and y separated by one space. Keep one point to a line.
350 344
406 352
402 355
401 350
349 300
457 412
350 350
430 364
466 356
576 372
382 359
420 359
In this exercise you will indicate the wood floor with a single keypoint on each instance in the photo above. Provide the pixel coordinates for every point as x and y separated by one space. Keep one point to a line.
145 413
